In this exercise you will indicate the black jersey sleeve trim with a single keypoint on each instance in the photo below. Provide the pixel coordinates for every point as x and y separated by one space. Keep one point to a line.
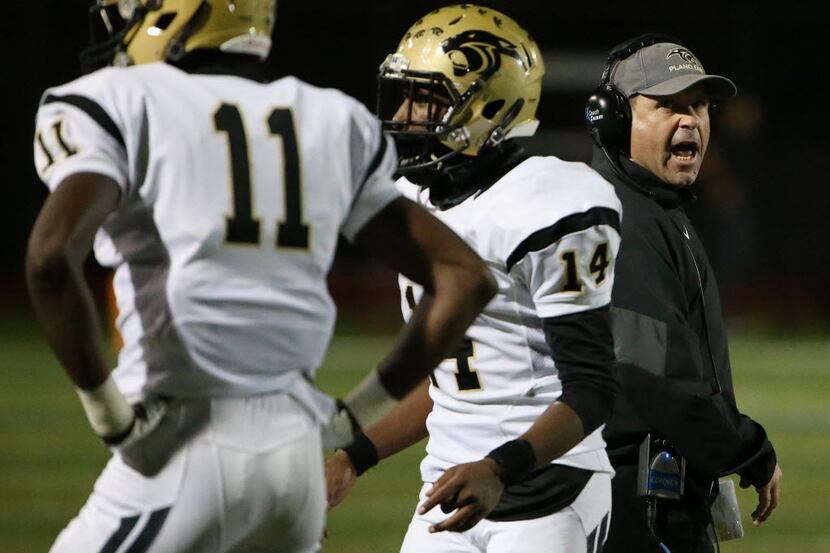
577 222
91 108
376 161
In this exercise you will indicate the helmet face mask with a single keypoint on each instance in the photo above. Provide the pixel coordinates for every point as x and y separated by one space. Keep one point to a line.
415 107
127 32
414 100
474 77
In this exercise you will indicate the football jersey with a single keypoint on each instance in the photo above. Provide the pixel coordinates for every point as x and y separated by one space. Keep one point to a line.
549 231
233 194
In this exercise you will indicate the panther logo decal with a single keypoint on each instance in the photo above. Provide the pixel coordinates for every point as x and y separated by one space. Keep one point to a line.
683 53
479 52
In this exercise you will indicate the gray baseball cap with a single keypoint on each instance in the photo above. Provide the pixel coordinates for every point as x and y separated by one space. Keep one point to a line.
664 69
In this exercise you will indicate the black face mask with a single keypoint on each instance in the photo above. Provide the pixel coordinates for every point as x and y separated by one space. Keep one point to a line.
107 30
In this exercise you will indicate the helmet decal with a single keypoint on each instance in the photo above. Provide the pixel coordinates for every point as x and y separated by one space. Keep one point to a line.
479 52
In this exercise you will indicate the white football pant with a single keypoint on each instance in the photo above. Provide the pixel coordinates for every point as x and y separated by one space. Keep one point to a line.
580 527
218 476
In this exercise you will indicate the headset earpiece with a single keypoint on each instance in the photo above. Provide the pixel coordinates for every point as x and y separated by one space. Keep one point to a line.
608 116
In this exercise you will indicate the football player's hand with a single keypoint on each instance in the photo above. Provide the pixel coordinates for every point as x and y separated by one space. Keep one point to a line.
471 489
769 495
147 415
340 429
340 477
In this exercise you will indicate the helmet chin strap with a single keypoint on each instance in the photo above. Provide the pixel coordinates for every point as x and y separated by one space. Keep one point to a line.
499 134
423 154
467 175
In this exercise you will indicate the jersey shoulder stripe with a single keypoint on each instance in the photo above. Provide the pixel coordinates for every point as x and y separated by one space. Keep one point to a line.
91 108
576 222
373 166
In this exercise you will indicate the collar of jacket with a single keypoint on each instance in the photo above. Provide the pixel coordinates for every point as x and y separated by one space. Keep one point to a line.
618 168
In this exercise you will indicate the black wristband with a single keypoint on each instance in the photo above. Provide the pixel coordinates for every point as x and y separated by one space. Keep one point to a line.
362 452
516 460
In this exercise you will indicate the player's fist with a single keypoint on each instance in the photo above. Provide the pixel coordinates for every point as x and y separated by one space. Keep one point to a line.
471 490
147 415
341 429
117 422
340 477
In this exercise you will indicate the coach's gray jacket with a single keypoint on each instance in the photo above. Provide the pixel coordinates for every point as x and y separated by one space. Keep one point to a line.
671 347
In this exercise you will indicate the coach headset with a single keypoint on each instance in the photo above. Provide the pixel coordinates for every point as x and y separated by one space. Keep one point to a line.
607 111
608 116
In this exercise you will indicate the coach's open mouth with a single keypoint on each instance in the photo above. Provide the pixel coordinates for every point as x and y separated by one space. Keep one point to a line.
685 150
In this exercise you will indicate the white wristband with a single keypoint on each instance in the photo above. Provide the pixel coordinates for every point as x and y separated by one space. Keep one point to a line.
369 400
106 408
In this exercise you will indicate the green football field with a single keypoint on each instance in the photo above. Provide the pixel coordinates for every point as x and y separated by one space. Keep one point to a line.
49 458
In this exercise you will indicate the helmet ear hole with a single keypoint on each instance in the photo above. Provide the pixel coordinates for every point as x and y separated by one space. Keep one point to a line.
165 20
492 108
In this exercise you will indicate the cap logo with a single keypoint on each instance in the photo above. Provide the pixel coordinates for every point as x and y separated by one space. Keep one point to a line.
479 51
683 53
689 62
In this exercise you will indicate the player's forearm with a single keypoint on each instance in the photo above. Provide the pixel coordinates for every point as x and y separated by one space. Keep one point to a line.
63 304
457 285
554 433
64 307
61 240
437 326
404 425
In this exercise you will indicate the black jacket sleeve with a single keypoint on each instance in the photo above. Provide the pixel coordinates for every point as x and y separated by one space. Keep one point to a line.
583 350
664 373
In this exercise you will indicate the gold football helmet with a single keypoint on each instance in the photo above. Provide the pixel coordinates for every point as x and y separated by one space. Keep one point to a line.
463 79
144 31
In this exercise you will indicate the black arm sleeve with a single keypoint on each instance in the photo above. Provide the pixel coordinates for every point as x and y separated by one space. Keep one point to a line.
758 463
583 350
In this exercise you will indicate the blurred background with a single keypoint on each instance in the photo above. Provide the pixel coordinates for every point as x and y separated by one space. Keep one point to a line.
764 188
762 208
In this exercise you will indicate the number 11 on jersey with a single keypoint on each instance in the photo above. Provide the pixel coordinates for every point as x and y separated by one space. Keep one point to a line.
243 228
